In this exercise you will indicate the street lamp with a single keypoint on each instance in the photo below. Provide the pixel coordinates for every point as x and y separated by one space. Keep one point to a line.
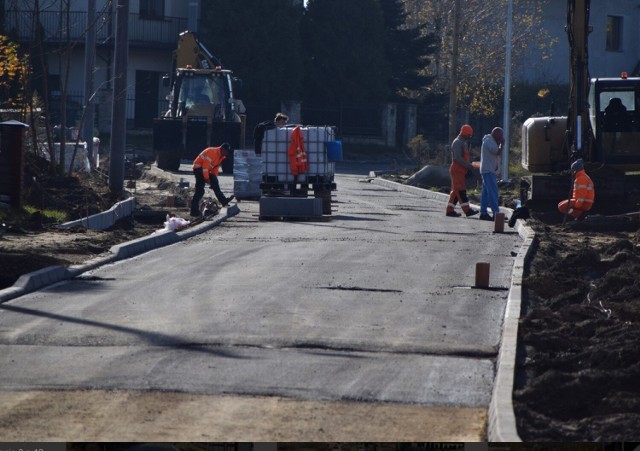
506 120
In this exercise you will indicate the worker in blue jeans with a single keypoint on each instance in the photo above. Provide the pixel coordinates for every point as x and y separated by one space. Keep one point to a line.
490 154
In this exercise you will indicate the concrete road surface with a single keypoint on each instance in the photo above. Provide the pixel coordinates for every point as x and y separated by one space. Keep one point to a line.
363 327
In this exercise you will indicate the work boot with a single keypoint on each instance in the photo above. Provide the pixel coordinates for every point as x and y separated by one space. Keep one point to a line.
472 212
453 214
485 217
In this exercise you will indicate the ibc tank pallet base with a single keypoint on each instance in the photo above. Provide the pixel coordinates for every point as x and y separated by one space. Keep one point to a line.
295 218
291 208
246 197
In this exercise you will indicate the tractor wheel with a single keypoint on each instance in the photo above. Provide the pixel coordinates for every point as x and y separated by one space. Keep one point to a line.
168 161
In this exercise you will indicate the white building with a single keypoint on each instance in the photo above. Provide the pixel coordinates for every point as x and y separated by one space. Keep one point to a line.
154 27
614 43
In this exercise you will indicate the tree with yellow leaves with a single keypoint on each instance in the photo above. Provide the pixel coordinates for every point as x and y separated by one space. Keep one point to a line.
480 46
14 72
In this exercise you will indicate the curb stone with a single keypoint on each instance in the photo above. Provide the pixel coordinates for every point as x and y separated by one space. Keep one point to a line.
104 220
36 280
502 420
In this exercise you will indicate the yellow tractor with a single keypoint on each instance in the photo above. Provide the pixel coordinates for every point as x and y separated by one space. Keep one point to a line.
204 108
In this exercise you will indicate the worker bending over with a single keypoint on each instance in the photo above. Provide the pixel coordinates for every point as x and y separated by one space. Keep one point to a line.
583 192
206 167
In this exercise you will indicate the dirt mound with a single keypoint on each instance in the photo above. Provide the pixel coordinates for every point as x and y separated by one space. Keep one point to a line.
30 243
578 360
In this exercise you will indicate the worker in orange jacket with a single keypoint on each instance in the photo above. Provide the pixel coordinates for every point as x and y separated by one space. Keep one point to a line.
583 192
460 166
206 167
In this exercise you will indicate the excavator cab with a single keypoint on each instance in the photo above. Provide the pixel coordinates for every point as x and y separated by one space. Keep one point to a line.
204 95
615 118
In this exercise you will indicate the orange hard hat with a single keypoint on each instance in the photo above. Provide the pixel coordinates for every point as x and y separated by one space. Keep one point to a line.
466 131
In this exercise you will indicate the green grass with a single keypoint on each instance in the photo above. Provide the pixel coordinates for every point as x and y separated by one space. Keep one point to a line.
50 215
22 217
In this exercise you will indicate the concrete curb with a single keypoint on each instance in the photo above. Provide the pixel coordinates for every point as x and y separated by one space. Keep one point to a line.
411 189
104 220
33 281
501 425
502 420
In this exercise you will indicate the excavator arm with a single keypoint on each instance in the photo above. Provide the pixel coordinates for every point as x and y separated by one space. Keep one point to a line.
578 125
192 52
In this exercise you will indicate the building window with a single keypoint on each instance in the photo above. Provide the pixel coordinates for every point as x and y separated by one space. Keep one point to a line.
152 9
614 33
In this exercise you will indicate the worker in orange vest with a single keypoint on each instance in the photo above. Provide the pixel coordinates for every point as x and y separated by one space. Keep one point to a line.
583 192
460 166
206 167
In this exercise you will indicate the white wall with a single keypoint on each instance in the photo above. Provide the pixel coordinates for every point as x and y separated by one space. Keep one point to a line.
55 5
138 60
601 62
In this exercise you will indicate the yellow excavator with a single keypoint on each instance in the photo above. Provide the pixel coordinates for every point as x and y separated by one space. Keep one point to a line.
204 107
602 127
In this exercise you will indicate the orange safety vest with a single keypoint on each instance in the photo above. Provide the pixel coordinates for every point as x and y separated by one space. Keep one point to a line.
583 192
298 161
459 172
209 160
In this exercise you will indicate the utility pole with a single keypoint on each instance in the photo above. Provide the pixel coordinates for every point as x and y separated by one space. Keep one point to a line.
453 80
193 13
506 119
89 64
119 110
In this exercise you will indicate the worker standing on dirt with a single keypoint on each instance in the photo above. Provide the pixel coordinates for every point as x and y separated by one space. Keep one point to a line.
583 192
206 167
490 154
460 166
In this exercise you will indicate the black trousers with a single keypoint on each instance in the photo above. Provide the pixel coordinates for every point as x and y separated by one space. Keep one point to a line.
199 193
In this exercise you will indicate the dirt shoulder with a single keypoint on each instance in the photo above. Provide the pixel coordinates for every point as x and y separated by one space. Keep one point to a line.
121 416
578 356
35 244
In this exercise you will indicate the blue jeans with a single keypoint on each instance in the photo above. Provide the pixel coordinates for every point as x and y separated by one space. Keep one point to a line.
489 196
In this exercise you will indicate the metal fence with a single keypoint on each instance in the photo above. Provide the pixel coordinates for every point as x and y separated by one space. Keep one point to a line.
350 119
434 125
58 27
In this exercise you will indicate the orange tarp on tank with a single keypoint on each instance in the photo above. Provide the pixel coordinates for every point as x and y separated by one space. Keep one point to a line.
298 160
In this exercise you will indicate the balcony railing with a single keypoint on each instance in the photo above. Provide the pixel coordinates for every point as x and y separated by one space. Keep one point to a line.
21 24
